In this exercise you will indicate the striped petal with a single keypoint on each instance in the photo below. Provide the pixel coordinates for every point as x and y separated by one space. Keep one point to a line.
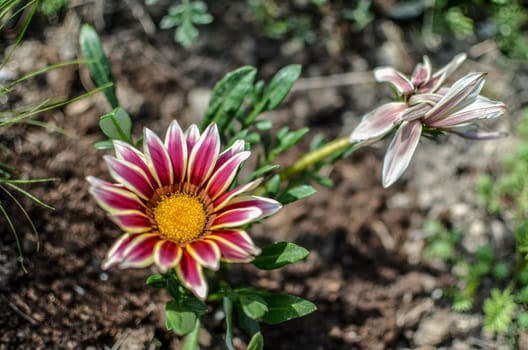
236 218
439 76
422 72
237 147
397 79
415 112
115 254
125 151
224 199
222 178
167 254
400 151
140 251
157 158
114 198
266 205
240 239
192 135
463 92
131 176
191 275
177 147
132 222
230 251
379 122
206 253
482 108
202 158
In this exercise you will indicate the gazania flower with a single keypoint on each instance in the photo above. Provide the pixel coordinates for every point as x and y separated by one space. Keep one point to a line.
176 207
423 105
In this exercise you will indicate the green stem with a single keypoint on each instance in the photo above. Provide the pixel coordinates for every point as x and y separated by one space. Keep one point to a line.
316 156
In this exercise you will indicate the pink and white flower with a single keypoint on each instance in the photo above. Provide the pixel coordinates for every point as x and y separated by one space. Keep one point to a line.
176 207
423 105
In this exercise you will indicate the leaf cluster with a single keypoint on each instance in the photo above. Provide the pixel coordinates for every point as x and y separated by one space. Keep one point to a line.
244 307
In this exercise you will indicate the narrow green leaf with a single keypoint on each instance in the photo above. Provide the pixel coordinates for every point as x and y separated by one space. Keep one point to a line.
103 145
179 321
117 125
253 305
281 84
228 94
256 342
191 340
296 193
279 254
262 171
98 63
228 310
276 91
285 307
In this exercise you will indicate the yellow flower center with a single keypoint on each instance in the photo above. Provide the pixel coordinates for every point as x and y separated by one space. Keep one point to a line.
180 217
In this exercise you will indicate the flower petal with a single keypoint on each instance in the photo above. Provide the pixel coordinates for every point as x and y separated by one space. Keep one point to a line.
439 76
132 222
192 135
115 254
225 198
203 156
463 92
236 218
240 239
114 198
400 151
206 253
222 178
396 78
379 122
482 108
415 112
237 147
131 176
177 147
191 276
230 251
167 254
140 251
266 205
157 158
422 72
125 151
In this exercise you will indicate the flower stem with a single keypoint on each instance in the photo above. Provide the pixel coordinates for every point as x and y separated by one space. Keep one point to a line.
316 156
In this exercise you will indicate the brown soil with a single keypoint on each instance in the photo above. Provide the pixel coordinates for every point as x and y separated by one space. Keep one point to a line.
358 272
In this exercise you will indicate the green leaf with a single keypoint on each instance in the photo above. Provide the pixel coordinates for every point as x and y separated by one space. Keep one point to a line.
296 193
186 34
287 140
228 310
191 340
157 281
285 307
256 342
498 311
262 171
103 145
253 305
281 84
117 125
228 95
276 91
279 254
179 321
98 63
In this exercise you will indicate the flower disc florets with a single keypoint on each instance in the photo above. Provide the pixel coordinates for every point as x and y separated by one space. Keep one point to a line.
174 203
